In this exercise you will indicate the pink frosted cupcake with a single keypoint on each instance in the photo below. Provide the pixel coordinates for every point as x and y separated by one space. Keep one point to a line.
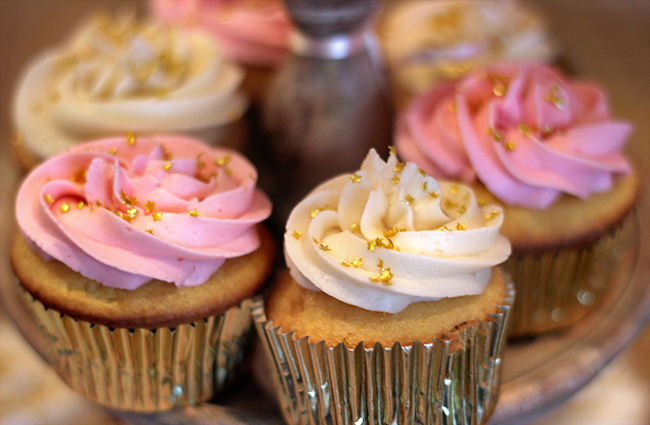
547 150
253 33
138 257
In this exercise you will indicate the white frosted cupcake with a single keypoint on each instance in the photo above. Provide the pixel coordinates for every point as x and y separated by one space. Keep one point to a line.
117 76
391 289
427 42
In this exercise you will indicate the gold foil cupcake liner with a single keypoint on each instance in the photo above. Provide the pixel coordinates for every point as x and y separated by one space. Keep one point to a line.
454 380
556 289
140 369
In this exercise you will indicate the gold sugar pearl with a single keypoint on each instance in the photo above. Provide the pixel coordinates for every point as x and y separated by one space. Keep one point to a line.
65 207
81 205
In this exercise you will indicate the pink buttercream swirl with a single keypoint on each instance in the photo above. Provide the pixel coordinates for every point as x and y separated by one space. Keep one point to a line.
123 211
250 32
524 131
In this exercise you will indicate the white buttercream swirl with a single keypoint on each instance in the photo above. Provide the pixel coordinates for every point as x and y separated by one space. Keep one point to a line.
121 75
388 236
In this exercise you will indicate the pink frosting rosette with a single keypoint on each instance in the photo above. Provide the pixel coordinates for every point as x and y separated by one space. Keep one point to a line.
254 32
126 210
527 133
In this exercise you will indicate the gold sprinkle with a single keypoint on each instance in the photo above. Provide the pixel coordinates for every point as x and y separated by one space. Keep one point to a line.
223 160
354 227
500 89
554 97
149 207
99 204
399 167
80 205
371 246
421 172
481 202
48 198
390 233
380 264
434 194
322 246
113 151
380 243
345 264
80 176
127 200
395 179
496 212
355 178
297 234
511 146
167 166
132 212
384 277
524 129
156 216
314 213
150 231
454 188
130 138
392 151
460 226
229 172
199 162
408 199
65 207
357 262
492 132
425 186
194 213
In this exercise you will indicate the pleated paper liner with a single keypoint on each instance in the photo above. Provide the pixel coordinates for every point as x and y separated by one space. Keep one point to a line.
140 369
454 380
556 289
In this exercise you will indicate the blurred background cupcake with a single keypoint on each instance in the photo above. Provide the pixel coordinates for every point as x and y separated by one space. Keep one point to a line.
119 74
427 42
253 33
391 288
545 148
138 257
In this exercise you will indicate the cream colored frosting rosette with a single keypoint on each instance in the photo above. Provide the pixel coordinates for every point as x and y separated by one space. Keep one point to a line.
429 41
120 75
389 235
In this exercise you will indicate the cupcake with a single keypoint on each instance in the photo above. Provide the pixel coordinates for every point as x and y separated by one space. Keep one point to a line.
545 148
392 310
428 42
121 75
138 258
253 33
